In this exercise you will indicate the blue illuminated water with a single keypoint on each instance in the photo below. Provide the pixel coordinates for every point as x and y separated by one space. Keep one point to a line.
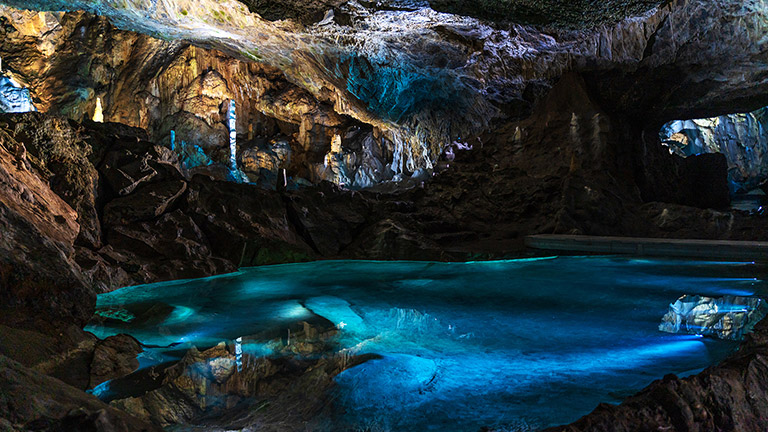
516 345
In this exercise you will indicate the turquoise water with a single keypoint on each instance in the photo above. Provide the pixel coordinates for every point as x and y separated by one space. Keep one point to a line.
516 345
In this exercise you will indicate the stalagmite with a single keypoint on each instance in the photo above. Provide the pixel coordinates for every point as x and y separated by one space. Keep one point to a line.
98 113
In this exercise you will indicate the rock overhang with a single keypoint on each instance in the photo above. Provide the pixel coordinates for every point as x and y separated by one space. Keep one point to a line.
426 77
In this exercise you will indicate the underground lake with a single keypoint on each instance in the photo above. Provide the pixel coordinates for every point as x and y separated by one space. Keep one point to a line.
513 345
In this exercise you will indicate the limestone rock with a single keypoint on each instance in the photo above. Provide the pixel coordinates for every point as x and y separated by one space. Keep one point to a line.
144 204
171 247
41 281
331 228
125 178
244 224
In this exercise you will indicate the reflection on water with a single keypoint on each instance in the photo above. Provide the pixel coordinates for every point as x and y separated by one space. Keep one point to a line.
516 345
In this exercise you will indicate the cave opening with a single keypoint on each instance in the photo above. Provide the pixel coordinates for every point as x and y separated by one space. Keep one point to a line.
741 137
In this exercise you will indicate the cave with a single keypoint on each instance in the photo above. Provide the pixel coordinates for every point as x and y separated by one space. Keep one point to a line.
399 215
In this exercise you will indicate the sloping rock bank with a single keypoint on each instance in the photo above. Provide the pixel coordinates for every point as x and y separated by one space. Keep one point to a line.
55 406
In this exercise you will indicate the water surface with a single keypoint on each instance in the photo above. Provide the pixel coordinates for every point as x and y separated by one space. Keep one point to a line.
516 345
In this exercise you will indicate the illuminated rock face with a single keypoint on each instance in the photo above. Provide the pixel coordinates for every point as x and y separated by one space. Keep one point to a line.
423 78
742 138
727 317
165 87
14 99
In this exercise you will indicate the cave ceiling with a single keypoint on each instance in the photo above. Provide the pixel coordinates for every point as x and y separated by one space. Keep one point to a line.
570 14
428 72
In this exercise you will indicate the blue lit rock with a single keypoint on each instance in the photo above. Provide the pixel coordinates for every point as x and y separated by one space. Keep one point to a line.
727 317
742 138
14 98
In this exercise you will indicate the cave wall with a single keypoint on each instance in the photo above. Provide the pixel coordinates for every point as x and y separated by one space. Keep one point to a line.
69 61
422 79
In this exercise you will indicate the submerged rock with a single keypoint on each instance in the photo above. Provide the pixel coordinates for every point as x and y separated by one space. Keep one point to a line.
114 357
727 317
